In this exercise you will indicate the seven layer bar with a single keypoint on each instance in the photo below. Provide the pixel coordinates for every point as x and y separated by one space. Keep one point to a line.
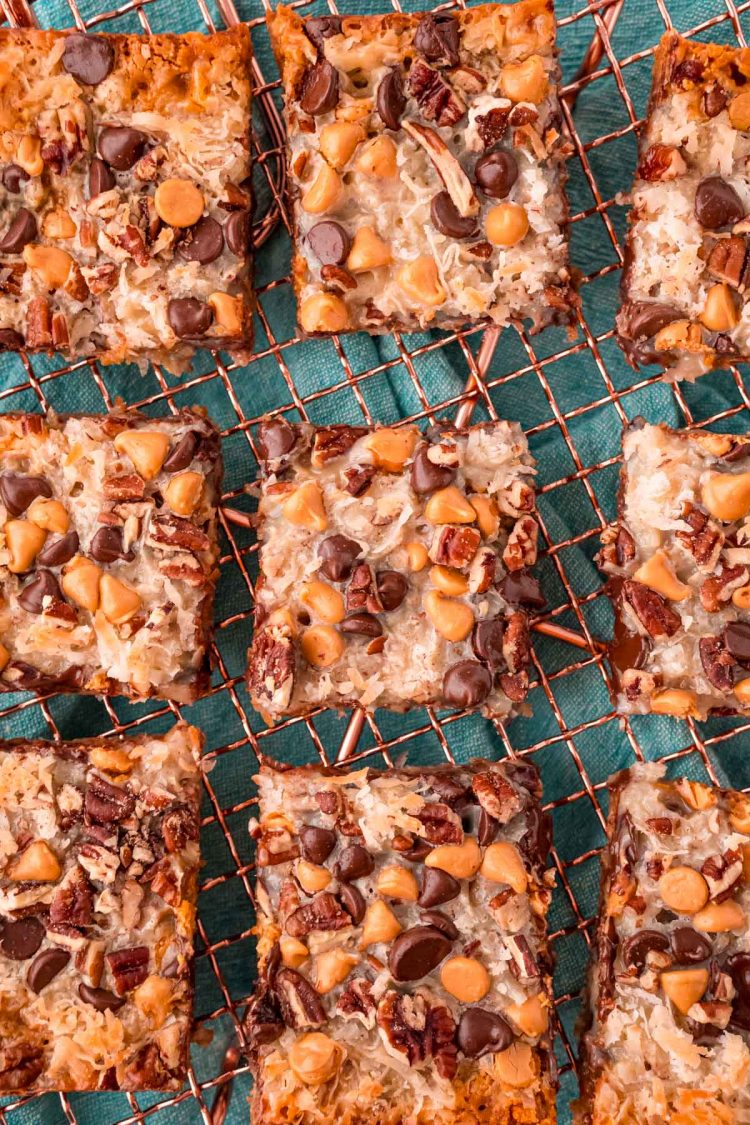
669 992
404 972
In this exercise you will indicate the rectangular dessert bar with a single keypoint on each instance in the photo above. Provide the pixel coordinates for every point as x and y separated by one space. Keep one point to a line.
99 860
125 199
404 971
679 565
668 1039
394 568
108 552
426 168
686 279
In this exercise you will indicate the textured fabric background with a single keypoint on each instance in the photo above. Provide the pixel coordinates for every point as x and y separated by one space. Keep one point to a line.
564 401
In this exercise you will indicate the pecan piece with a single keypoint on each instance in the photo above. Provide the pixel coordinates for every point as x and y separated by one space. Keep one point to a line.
183 567
179 826
482 570
362 591
73 901
457 183
20 1065
129 968
717 663
441 824
655 615
334 441
359 478
271 667
516 646
492 126
437 101
38 329
324 912
299 1002
497 796
704 541
356 999
455 546
638 684
105 803
419 1030
718 589
722 873
520 550
661 163
173 531
516 687
123 486
726 262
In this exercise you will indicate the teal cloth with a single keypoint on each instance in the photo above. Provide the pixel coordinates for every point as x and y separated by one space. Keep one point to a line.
572 719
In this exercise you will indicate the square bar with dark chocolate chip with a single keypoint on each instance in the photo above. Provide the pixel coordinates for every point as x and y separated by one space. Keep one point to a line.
668 1037
404 970
108 552
678 561
425 161
124 195
395 568
99 860
686 274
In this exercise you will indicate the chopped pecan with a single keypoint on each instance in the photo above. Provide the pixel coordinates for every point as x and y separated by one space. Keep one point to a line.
275 846
60 334
263 1020
441 824
638 684
149 218
11 275
515 686
299 1002
491 126
688 72
147 168
183 567
146 1070
457 183
179 826
129 968
105 803
655 615
496 795
523 964
333 441
722 873
271 666
76 286
331 802
482 570
661 825
705 540
726 261
123 486
338 278
481 250
38 328
520 550
20 1065
164 881
718 589
468 79
73 901
624 547
356 999
516 499
324 912
717 663
516 646
359 478
455 546
661 162
101 278
437 101
173 531
131 240
362 591
420 1030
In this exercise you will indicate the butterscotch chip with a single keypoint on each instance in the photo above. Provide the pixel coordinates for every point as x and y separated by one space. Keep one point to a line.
70 967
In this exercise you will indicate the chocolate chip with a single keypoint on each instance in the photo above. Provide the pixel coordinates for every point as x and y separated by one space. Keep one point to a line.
446 218
487 828
487 642
100 998
237 232
717 204
107 546
426 476
715 99
496 172
392 587
441 922
416 952
640 944
17 491
338 554
354 863
58 551
418 851
320 88
437 887
21 937
14 177
188 316
362 624
329 242
183 453
10 340
121 146
737 640
275 439
21 230
480 1031
519 588
689 947
646 318
100 178
436 38
738 967
352 902
317 843
42 585
390 99
203 242
45 967
89 58
466 684
319 28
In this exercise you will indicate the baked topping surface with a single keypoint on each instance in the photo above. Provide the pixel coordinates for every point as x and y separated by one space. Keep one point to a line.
108 552
425 164
670 1001
686 277
99 857
394 568
404 972
124 195
679 566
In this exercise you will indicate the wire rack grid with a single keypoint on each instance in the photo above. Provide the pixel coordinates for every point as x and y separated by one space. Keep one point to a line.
572 398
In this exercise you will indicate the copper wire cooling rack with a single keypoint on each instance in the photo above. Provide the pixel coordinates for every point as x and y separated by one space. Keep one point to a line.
498 369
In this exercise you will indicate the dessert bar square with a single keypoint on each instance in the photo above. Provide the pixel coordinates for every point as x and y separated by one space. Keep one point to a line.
99 860
686 277
394 568
669 1005
124 195
426 168
108 552
679 565
404 971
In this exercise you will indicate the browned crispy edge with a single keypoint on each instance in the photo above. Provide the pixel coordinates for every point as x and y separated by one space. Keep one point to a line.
341 704
240 348
481 1099
79 749
672 51
199 685
283 23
